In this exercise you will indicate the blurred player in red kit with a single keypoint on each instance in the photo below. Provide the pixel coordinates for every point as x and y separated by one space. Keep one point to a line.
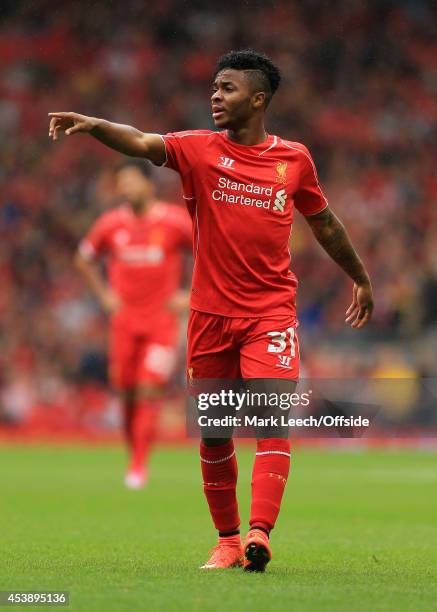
242 186
144 240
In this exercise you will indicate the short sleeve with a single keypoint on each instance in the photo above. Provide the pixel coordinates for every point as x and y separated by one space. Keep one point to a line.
309 198
183 149
96 241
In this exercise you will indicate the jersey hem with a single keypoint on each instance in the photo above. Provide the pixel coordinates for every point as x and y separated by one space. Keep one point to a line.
274 313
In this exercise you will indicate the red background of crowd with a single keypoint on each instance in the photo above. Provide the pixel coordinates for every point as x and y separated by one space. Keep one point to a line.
359 89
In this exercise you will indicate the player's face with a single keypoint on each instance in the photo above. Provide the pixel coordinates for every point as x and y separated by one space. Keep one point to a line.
133 187
233 101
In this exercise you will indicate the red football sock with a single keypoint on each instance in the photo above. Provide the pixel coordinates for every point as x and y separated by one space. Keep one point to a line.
233 540
269 477
220 472
143 427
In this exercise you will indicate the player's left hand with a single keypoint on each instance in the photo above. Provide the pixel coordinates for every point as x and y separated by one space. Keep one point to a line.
360 311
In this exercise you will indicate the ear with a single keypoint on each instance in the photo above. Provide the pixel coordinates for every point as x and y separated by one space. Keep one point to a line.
259 100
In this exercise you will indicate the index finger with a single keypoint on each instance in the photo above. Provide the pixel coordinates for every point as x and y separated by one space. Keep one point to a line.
61 114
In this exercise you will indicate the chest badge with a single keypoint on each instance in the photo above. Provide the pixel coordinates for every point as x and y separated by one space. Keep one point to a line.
281 172
156 236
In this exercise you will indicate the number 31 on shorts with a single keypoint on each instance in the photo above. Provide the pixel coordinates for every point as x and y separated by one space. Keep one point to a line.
279 340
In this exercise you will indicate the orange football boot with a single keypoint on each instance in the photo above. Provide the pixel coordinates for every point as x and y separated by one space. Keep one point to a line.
257 551
226 554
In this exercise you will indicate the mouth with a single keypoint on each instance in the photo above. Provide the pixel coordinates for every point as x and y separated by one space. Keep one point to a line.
217 112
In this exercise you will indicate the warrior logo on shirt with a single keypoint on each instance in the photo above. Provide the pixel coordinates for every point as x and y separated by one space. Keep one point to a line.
281 172
284 362
226 162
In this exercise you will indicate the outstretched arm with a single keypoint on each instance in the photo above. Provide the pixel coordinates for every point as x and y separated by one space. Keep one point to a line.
331 234
123 138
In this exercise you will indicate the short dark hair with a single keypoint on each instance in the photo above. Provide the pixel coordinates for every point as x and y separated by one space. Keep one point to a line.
142 165
267 75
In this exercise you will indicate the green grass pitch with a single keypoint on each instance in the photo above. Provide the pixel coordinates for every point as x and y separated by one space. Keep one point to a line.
357 531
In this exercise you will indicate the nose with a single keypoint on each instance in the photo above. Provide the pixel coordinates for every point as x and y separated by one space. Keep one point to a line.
216 96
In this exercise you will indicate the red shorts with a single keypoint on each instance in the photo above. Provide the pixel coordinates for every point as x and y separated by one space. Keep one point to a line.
141 357
229 348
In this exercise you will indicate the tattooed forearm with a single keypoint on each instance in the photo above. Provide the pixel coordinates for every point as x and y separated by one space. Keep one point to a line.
332 236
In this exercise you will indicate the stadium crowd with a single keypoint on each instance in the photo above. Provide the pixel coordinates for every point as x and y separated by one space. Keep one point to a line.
359 89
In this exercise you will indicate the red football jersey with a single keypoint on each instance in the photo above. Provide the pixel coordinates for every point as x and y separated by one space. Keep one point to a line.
145 255
241 199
